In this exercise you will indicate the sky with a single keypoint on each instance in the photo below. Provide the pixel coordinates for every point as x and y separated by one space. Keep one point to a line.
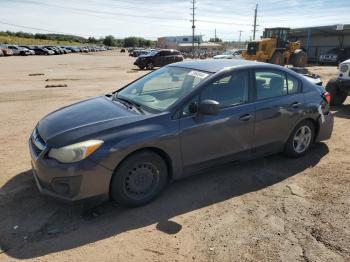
154 18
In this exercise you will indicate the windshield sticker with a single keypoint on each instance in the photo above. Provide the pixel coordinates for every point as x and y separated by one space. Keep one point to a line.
198 74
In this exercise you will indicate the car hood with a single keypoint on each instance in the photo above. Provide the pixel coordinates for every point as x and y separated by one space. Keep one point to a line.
345 62
84 120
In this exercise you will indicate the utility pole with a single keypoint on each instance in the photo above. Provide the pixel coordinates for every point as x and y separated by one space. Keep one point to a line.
193 8
239 39
255 16
215 36
240 35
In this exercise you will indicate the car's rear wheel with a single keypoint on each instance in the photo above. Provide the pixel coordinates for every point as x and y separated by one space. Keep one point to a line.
139 179
338 97
150 66
300 140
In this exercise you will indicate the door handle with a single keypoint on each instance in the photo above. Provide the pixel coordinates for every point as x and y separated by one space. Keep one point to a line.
245 117
295 105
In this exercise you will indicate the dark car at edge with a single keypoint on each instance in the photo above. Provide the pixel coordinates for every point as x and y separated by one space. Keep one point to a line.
174 122
158 58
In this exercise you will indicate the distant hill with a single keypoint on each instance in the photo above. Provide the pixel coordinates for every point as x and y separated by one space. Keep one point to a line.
23 38
40 39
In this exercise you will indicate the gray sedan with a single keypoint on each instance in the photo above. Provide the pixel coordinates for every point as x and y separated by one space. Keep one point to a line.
174 122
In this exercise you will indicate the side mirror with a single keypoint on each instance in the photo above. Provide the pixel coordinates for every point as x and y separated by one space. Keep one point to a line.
209 107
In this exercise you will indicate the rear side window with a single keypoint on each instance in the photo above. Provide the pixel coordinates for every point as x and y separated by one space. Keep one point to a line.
293 85
270 84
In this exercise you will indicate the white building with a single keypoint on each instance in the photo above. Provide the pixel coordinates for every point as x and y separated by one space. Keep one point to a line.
184 43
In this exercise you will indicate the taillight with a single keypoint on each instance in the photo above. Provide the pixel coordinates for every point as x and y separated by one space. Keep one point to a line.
327 97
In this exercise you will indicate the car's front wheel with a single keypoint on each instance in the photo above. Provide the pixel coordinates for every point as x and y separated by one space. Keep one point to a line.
150 66
139 179
300 140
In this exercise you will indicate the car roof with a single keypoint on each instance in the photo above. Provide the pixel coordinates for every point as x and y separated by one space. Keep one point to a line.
216 65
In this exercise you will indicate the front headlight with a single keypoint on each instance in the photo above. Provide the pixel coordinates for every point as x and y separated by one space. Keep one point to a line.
76 152
344 68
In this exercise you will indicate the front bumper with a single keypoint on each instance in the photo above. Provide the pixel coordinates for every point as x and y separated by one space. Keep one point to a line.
325 127
140 63
69 182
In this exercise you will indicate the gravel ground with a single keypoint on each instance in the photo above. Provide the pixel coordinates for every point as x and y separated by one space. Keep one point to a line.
269 209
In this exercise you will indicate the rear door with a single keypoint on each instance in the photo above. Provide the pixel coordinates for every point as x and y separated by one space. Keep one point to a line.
168 57
279 107
225 136
158 59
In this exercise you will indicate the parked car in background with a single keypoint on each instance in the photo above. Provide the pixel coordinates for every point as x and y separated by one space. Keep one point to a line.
138 52
17 50
28 49
230 54
54 49
42 51
66 50
339 87
174 122
158 58
334 56
6 51
73 49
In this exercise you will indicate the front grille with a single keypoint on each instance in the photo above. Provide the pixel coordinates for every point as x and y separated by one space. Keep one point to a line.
37 142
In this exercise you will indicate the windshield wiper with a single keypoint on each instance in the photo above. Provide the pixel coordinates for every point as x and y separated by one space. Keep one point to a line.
127 102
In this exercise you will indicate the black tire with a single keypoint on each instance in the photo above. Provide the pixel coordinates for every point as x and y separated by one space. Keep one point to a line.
141 67
277 59
150 66
338 97
139 179
290 149
299 59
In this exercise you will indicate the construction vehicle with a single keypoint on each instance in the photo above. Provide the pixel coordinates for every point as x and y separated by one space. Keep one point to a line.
339 87
275 48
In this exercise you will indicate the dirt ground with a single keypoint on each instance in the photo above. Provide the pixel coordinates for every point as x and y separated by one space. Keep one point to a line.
269 209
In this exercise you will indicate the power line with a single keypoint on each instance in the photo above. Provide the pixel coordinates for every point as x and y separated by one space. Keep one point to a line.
113 13
105 12
40 29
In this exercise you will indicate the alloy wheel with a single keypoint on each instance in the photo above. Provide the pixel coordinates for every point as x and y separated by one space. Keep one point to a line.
302 139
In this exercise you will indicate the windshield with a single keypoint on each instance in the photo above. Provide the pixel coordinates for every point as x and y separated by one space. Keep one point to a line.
162 88
152 53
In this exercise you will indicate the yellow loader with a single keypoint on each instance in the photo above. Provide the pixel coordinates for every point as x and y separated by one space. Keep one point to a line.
275 48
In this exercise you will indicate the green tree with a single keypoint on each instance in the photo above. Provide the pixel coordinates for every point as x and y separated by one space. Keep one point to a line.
131 42
109 41
215 40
